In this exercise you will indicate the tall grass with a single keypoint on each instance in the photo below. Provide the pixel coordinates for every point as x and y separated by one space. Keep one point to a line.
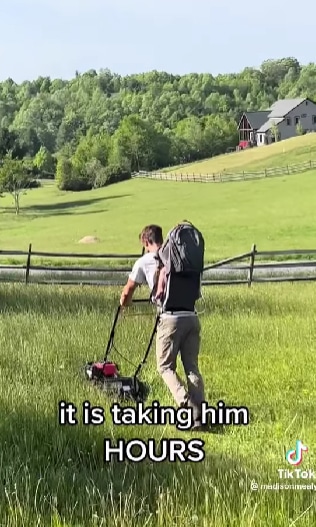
258 349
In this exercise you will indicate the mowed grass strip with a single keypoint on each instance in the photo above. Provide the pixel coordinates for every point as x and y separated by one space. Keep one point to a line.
275 214
288 152
258 350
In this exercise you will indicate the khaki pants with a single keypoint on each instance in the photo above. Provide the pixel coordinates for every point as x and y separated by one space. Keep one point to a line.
176 335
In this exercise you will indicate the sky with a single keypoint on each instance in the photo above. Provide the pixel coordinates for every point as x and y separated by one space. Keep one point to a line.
56 38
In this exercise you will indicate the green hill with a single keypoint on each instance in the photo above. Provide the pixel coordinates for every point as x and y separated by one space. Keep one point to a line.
289 152
276 213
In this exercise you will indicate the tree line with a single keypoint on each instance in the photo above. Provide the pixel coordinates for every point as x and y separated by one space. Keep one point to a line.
99 127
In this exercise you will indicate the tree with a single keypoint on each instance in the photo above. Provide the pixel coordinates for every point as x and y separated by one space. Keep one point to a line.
10 142
14 178
190 133
274 132
275 70
64 173
133 142
92 146
44 161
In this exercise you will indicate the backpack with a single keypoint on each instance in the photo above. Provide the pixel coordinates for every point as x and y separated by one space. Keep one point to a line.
182 256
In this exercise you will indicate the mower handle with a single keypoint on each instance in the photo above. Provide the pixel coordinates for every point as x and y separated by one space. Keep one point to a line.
111 338
148 347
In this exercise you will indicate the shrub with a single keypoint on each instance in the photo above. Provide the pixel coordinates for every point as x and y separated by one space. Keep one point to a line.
92 175
111 174
68 177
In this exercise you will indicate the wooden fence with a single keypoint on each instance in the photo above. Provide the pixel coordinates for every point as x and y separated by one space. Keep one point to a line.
247 268
269 264
12 271
224 177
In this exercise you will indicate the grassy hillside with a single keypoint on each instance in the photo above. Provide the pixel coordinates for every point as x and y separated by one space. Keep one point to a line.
258 350
276 214
288 152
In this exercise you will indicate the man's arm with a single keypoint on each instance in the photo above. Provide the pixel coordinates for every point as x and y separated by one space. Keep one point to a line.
135 279
127 293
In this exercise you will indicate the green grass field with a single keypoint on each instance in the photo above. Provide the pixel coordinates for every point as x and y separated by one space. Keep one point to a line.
258 350
289 152
277 213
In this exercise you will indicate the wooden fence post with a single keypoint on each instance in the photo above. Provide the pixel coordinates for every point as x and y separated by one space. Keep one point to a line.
251 264
28 264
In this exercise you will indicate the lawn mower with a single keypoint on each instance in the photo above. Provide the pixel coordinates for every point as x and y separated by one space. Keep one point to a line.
106 375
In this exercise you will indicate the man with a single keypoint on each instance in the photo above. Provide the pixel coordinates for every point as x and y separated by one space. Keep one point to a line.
145 268
178 330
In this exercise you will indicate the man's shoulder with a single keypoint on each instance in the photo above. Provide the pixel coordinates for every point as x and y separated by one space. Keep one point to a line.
147 258
144 269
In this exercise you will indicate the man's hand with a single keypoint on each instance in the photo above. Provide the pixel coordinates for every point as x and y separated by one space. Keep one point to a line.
125 300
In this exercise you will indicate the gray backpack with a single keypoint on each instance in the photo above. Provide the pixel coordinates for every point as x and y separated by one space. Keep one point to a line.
182 255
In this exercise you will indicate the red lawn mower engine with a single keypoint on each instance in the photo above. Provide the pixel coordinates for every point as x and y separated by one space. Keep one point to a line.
106 376
102 370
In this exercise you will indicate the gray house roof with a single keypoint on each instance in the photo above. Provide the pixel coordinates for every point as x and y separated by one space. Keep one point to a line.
283 107
256 119
268 124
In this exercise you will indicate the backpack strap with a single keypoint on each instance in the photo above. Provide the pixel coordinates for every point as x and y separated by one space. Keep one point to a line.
159 266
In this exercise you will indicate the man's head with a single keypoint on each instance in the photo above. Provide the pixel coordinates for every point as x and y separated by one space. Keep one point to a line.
151 238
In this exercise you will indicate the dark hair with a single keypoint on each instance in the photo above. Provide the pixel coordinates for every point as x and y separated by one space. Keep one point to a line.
151 234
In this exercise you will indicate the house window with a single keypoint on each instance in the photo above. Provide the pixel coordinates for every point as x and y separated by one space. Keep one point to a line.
314 119
288 121
297 120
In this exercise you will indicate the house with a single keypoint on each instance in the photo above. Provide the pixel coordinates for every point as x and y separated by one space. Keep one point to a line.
279 122
248 127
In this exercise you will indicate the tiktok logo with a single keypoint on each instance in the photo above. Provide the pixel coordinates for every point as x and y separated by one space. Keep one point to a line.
295 457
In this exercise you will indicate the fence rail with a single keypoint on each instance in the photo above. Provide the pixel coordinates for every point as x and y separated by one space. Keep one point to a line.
246 268
8 272
223 177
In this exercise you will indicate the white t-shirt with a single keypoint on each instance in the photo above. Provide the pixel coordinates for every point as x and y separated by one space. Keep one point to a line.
144 269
